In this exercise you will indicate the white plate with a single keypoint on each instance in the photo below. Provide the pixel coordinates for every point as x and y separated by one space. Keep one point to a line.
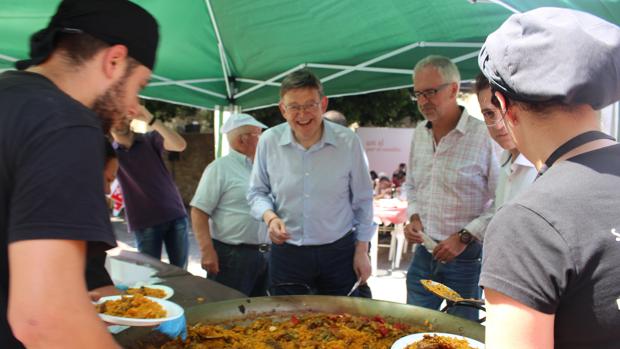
173 311
412 338
169 291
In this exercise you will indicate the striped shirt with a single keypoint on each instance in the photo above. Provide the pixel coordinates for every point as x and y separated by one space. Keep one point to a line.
450 185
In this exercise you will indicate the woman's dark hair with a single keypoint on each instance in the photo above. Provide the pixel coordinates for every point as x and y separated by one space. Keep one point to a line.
373 175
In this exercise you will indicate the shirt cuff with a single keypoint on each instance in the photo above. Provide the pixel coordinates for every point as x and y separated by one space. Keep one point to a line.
365 233
259 207
411 209
477 228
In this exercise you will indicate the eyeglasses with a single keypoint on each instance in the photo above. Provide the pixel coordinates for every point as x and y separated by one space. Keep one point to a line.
492 119
429 93
296 108
255 134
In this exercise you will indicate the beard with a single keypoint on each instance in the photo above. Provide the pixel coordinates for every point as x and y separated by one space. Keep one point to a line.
109 106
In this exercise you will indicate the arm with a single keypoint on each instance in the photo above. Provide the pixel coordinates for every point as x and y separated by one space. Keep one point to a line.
512 325
451 247
478 226
206 199
259 198
172 140
361 203
49 306
413 229
200 225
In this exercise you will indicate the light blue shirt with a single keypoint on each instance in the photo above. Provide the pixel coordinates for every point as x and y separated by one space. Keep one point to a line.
320 193
221 194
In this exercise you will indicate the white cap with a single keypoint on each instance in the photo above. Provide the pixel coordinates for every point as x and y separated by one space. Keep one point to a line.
238 120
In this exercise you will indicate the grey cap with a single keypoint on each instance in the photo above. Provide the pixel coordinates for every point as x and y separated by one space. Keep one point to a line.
554 54
238 120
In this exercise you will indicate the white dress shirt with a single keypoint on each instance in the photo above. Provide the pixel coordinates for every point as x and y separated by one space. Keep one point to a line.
451 185
515 174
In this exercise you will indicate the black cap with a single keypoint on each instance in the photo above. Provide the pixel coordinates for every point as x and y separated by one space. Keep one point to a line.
554 54
111 21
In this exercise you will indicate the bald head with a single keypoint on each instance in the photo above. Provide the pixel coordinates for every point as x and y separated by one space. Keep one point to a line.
336 116
244 139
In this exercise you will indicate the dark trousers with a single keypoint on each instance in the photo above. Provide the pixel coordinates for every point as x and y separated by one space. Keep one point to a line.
322 269
242 267
173 234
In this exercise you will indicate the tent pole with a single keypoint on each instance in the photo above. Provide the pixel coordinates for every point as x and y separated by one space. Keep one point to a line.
281 75
222 51
190 87
369 62
191 81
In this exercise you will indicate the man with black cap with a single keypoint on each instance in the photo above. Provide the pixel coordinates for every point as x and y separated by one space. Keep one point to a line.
85 70
551 256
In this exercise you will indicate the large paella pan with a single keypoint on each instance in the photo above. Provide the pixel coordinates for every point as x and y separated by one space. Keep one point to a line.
243 311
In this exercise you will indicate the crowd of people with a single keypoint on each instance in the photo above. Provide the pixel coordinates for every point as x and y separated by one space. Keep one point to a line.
290 209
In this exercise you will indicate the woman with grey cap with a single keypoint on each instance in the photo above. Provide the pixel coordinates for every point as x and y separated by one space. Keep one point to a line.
551 256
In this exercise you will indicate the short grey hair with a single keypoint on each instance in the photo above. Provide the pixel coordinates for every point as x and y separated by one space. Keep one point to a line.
447 69
303 78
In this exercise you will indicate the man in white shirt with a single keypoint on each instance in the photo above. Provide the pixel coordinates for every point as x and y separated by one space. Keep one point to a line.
516 172
234 248
450 186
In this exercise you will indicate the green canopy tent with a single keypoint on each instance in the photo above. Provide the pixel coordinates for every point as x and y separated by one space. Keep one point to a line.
235 52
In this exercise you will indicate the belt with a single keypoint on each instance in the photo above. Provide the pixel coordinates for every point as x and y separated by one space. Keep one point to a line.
260 247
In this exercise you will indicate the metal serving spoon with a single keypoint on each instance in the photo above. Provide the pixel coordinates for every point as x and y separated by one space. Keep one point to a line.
445 292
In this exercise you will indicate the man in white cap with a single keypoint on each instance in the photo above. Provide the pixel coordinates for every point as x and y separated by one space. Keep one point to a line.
551 256
234 247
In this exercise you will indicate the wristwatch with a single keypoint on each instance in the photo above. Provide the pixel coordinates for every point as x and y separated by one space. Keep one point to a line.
465 236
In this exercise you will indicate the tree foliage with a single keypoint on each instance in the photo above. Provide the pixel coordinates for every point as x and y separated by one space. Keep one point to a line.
381 109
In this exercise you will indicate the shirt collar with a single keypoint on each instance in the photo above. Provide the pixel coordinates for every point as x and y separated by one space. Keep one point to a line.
137 137
461 126
523 161
328 137
240 157
519 161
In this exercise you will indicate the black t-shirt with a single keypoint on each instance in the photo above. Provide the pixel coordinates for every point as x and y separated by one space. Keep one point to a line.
51 173
556 248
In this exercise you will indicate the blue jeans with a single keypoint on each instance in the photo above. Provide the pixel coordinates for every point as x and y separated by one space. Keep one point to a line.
173 234
322 269
461 275
242 267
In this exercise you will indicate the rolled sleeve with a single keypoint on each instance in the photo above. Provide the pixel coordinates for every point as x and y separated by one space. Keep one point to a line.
409 184
258 195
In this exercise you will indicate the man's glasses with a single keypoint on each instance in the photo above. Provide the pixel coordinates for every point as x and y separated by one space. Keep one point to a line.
492 119
429 93
296 108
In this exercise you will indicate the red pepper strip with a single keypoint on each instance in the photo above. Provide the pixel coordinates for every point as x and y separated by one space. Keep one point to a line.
294 320
384 331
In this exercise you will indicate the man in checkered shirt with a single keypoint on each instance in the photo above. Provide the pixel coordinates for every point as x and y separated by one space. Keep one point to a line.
450 186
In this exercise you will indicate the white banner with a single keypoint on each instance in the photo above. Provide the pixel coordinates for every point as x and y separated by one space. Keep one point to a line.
386 147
